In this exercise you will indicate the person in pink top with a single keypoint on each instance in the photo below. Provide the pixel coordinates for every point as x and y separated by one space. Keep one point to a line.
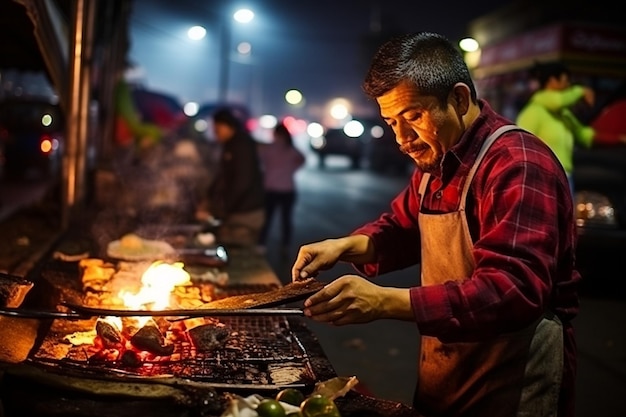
280 160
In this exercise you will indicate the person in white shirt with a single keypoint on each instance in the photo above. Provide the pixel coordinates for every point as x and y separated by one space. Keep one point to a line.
280 161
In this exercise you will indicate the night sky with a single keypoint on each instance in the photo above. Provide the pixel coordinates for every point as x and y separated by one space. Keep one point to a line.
320 47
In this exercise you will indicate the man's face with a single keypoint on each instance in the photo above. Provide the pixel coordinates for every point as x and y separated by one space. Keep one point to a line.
423 129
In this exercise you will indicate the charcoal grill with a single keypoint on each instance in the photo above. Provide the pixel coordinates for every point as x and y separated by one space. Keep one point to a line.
261 352
263 355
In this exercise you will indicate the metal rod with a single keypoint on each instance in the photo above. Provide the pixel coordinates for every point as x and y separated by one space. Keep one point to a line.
197 312
41 314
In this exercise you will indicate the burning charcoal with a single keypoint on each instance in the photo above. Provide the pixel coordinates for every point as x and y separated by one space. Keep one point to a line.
208 337
131 358
108 333
150 339
103 355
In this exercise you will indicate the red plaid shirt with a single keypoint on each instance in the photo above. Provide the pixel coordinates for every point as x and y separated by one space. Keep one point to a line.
520 215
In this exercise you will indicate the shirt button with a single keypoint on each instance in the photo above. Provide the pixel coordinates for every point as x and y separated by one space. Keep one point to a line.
438 194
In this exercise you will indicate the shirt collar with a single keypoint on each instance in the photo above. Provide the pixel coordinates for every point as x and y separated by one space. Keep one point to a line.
460 158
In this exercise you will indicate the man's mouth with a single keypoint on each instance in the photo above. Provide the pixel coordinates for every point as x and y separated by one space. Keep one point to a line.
413 148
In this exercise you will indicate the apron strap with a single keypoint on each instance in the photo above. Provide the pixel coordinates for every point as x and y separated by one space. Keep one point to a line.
481 154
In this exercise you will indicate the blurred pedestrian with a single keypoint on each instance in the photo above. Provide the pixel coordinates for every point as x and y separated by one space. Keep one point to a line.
548 113
236 197
280 160
488 217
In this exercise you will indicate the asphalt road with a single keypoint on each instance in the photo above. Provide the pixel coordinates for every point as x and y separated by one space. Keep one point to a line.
382 355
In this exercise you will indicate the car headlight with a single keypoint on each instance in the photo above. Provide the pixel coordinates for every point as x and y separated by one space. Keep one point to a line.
594 209
318 143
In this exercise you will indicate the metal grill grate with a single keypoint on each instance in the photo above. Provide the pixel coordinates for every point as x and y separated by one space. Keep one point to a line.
259 351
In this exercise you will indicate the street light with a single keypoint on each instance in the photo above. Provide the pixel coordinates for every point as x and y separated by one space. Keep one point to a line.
240 16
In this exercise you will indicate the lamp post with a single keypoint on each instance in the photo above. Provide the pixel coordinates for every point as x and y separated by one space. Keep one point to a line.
240 16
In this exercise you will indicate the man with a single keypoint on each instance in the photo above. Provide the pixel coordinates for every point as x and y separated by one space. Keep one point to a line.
488 217
548 113
236 195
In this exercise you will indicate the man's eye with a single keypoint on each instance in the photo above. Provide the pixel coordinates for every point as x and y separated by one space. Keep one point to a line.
411 117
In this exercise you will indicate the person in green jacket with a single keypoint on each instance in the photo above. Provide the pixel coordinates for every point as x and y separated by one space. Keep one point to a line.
549 116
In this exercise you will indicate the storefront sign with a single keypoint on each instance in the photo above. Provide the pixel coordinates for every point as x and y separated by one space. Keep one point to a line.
556 39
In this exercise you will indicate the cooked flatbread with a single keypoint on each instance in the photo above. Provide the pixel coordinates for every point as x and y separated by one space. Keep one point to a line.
294 291
132 247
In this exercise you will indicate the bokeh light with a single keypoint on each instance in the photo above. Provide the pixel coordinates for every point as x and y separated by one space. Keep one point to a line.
196 33
293 97
243 15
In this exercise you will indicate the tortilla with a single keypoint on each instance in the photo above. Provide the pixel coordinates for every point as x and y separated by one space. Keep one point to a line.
134 248
294 291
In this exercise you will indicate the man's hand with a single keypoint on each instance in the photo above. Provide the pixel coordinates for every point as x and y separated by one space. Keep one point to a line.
315 257
352 299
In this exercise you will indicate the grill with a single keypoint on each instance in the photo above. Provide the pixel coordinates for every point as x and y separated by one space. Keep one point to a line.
261 355
260 352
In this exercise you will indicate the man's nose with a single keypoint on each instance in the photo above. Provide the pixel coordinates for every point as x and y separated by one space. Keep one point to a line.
405 133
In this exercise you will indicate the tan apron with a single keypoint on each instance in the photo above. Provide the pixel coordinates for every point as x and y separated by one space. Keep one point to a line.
514 374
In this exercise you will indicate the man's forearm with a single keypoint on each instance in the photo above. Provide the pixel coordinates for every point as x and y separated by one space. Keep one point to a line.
357 249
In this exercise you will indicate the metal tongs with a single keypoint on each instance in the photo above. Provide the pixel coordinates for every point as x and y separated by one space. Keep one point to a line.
78 312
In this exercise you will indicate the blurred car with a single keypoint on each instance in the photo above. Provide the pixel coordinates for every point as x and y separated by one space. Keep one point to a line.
348 141
31 136
600 192
367 142
382 152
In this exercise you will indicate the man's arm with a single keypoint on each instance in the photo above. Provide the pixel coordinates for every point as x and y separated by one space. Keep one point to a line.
323 255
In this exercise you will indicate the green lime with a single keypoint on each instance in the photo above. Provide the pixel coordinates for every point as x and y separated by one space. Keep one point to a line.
319 406
295 414
290 396
270 408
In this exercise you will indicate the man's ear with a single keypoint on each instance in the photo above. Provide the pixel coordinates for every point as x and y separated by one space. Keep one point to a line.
461 96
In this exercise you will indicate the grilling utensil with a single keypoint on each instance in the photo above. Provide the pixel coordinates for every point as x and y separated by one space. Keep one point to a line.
78 312
252 304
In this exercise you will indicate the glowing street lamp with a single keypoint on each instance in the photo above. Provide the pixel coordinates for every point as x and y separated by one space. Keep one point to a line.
196 33
294 97
241 16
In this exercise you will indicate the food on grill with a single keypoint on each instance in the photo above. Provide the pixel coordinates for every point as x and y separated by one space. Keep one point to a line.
132 247
150 339
208 337
72 250
95 273
293 291
131 242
